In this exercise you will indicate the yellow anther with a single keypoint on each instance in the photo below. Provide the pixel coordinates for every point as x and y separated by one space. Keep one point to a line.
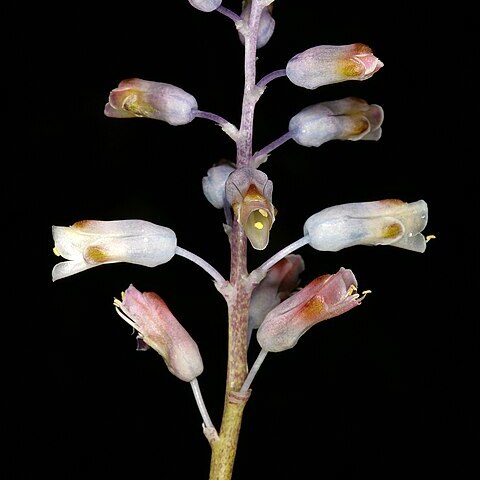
263 212
366 292
430 237
123 296
351 289
56 252
258 225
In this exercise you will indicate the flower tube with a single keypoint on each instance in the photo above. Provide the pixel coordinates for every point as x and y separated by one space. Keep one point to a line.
325 297
328 64
142 98
157 327
384 222
90 243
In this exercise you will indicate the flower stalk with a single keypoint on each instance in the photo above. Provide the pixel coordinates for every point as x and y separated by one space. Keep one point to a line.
267 300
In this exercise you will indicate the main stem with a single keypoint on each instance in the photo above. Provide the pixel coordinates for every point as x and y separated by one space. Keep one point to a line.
225 447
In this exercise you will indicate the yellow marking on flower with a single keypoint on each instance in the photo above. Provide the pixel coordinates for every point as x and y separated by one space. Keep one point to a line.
258 225
360 125
81 224
263 212
56 252
312 309
97 254
430 237
392 231
351 68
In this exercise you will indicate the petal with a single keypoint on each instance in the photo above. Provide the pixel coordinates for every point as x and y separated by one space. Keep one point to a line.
65 269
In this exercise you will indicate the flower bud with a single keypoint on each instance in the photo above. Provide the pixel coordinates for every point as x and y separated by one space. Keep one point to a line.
205 5
325 297
214 183
249 192
385 222
327 64
265 27
150 316
89 243
346 119
143 98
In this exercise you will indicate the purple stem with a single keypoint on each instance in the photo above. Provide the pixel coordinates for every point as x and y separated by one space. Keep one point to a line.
228 13
270 147
271 76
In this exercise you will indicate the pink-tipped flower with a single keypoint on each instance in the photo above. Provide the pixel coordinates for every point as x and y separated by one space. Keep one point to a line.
157 327
327 64
346 119
325 297
142 98
205 5
384 222
278 284
90 243
213 184
249 192
265 27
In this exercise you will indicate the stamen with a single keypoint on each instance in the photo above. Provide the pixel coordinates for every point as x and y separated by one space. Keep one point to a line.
351 289
56 252
429 237
263 212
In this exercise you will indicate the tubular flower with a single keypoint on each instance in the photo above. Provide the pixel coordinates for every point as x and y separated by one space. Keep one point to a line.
325 297
213 184
277 285
249 192
384 222
346 119
143 98
89 243
149 315
265 27
205 5
327 64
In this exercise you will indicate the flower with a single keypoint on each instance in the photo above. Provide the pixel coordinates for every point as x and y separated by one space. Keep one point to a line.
325 297
213 184
346 119
327 64
265 27
89 243
142 98
249 192
205 5
277 285
384 222
150 316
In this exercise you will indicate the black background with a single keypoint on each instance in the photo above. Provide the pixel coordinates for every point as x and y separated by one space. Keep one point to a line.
384 391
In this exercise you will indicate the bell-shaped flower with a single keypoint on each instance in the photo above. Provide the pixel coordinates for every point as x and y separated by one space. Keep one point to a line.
89 243
158 328
384 222
249 192
327 64
278 284
205 5
142 98
213 184
265 27
346 119
325 297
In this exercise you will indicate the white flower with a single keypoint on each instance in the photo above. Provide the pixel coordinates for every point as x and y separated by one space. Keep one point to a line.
384 222
89 243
